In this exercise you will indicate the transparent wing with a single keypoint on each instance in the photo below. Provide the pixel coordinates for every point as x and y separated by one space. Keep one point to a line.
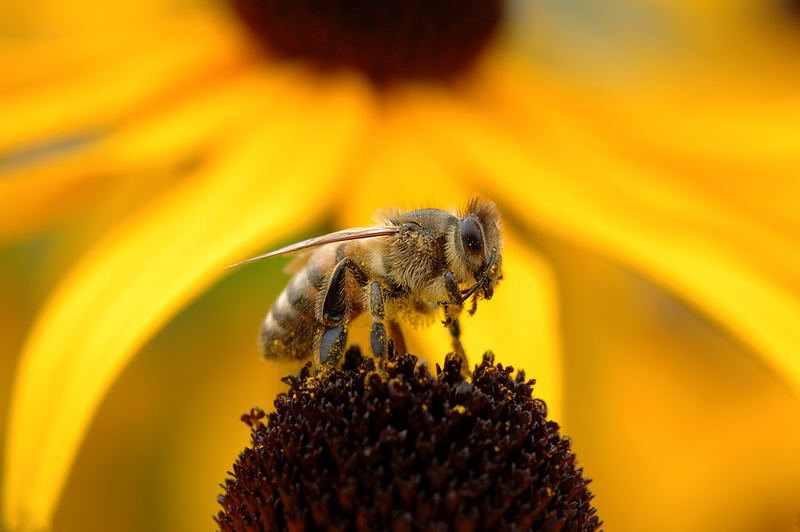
356 233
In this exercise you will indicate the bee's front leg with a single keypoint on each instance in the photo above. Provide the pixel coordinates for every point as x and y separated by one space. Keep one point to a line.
453 305
452 310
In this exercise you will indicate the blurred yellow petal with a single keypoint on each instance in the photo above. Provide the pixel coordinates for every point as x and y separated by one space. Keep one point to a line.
622 210
196 124
28 63
147 268
398 169
77 16
35 200
52 57
714 125
195 51
757 131
190 129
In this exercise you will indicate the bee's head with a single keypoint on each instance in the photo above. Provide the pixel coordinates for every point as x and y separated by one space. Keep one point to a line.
477 244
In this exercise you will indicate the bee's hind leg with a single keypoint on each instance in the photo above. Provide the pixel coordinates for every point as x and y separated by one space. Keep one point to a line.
335 309
377 334
383 344
331 344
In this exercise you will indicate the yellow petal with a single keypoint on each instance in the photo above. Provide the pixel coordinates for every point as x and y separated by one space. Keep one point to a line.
147 268
662 396
714 124
47 17
164 68
51 57
397 169
27 63
201 119
35 199
579 191
145 148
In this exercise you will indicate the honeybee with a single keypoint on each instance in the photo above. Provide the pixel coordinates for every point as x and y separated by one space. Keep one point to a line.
408 266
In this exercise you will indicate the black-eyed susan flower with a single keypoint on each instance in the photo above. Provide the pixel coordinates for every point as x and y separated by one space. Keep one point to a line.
185 138
385 445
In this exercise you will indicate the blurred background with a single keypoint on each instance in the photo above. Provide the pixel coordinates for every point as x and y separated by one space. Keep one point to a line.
655 244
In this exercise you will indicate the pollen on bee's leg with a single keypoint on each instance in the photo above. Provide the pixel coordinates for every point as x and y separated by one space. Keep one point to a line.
378 339
331 344
377 336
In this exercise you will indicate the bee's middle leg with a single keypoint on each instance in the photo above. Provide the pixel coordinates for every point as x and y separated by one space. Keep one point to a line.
454 304
377 337
381 340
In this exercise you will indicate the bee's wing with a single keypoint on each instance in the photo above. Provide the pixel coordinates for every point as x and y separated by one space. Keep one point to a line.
355 233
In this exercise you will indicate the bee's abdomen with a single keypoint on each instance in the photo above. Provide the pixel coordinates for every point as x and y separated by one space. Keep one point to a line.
290 326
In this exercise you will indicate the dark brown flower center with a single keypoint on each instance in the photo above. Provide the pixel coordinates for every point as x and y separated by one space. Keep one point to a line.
387 40
386 445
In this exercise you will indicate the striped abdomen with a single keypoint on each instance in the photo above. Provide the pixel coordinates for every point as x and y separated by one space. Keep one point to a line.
292 323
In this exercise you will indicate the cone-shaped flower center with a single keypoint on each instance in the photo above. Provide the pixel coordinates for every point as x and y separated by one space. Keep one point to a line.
386 40
365 447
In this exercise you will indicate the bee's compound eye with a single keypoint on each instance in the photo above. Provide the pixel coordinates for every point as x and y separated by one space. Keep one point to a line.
471 235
